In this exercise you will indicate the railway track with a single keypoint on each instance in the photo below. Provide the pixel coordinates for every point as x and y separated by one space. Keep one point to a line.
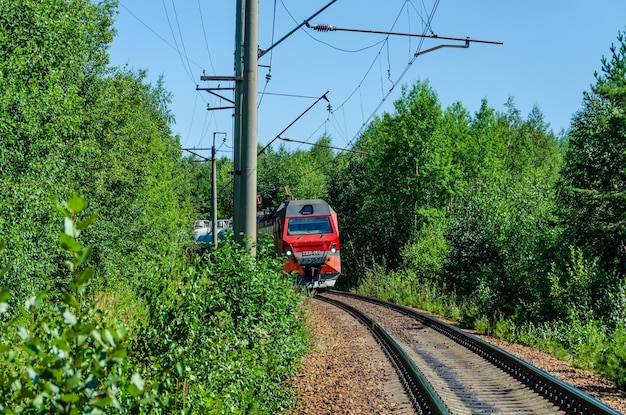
447 371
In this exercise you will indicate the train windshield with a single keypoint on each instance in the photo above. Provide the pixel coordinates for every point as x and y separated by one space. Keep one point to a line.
309 226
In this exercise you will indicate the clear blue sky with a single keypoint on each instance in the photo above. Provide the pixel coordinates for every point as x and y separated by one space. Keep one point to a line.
550 52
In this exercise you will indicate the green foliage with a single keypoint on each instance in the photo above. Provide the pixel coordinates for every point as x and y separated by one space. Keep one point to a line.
499 243
574 295
224 332
482 325
591 194
587 343
138 185
427 253
52 54
505 329
200 192
405 287
481 231
383 198
61 354
614 362
303 172
66 122
582 289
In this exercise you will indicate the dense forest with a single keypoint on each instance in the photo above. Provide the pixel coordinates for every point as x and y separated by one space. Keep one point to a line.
104 306
488 218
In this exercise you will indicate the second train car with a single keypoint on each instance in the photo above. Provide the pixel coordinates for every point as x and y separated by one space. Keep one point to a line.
306 232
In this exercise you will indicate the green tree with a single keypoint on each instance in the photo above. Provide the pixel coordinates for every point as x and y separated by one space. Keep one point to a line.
388 194
68 122
303 172
199 171
137 178
52 55
502 230
592 194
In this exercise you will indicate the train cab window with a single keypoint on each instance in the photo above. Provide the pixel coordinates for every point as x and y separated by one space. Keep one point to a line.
306 210
309 226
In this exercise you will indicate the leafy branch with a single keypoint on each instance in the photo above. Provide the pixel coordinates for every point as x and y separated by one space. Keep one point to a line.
65 358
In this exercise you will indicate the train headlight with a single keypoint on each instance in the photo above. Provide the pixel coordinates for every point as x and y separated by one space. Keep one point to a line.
333 249
288 252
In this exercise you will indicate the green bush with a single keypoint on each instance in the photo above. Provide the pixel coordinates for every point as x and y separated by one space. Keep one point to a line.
482 325
224 333
614 362
60 354
505 329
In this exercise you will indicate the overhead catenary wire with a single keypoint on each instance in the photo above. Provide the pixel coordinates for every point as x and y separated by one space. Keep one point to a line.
195 102
268 76
291 140
419 51
292 123
406 69
385 44
263 52
206 41
186 61
328 28
184 53
367 72
427 22
326 43
467 40
279 135
175 48
332 118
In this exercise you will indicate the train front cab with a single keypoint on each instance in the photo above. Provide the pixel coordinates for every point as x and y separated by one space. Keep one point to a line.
310 238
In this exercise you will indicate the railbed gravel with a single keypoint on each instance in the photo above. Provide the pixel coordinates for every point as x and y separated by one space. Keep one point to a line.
346 372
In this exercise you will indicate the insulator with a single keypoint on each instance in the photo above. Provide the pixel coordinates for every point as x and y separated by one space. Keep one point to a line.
329 108
323 28
268 76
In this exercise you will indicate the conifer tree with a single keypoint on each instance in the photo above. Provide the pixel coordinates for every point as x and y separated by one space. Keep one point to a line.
593 191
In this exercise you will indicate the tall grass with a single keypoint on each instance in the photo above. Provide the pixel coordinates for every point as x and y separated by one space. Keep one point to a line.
579 338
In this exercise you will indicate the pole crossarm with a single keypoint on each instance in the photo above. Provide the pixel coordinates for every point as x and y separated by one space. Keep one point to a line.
196 154
292 123
306 22
465 46
329 28
209 108
221 78
210 91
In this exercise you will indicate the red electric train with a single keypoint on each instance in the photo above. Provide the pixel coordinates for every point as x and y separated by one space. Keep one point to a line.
306 232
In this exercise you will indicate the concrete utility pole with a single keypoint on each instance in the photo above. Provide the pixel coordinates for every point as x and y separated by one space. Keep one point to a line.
249 123
213 194
245 119
237 199
214 191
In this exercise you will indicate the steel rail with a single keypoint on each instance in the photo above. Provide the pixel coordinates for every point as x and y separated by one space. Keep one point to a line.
569 399
422 395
